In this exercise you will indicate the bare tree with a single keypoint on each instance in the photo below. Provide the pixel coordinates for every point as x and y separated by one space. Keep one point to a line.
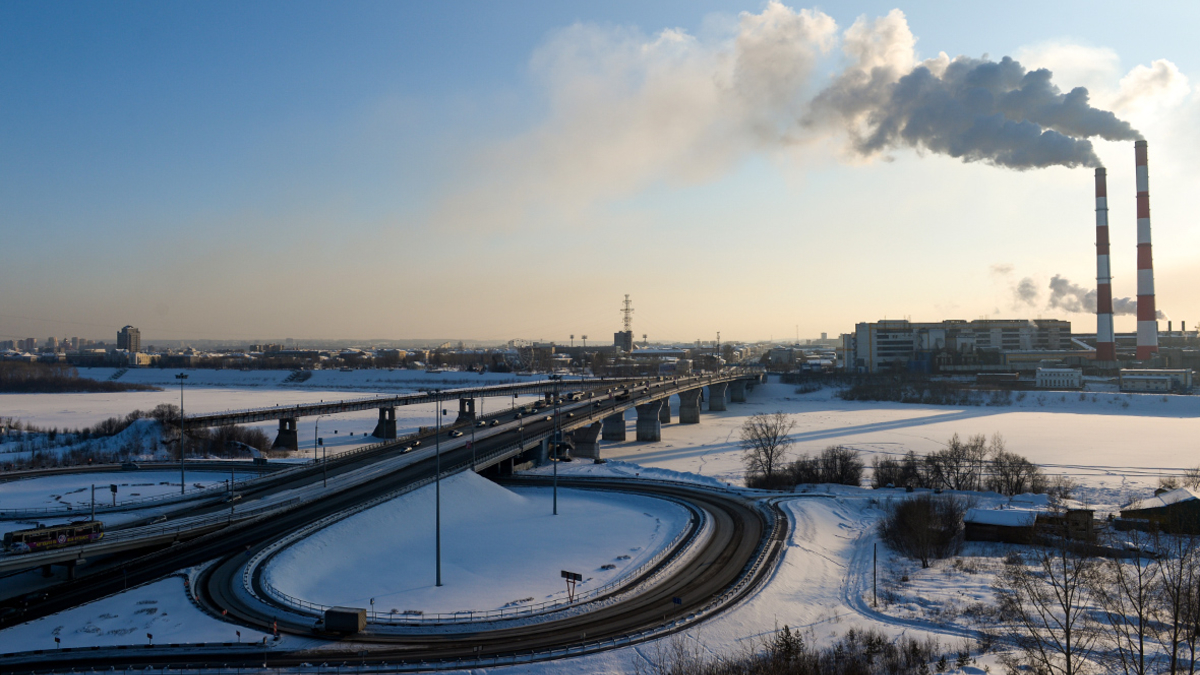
765 442
1177 578
1047 603
1125 593
960 465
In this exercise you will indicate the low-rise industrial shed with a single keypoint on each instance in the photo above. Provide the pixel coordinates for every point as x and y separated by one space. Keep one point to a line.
1173 511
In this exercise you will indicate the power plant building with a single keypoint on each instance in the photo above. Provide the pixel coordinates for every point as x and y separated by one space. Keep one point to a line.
884 344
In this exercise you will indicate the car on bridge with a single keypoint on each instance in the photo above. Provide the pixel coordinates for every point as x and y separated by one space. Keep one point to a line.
456 433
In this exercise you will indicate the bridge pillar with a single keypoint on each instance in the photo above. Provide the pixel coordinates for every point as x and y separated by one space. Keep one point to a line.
648 426
71 569
286 438
46 571
386 428
587 441
689 406
716 396
664 415
737 391
466 410
543 452
614 428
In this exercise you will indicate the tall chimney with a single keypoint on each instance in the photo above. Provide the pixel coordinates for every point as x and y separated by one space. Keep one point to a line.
1147 317
1106 346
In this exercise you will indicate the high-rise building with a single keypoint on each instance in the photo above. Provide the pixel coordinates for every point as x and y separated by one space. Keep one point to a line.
52 343
129 338
8 344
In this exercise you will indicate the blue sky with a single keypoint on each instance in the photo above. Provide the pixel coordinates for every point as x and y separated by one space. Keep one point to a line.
264 170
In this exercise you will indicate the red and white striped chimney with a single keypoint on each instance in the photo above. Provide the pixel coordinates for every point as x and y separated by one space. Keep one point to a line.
1106 346
1147 316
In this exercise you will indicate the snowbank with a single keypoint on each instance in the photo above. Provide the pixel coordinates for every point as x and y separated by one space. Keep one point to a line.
500 548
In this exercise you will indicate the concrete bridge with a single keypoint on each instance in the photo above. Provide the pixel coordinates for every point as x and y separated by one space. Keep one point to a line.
386 428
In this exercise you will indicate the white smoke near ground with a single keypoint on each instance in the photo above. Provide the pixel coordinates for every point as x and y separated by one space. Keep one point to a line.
627 111
1073 298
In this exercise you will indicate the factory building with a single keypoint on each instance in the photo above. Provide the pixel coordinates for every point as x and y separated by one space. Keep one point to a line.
1156 380
1055 377
885 344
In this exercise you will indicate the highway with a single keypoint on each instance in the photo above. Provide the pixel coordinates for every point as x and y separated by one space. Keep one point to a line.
741 534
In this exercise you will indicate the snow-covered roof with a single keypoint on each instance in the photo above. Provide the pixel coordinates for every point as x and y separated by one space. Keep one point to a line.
1175 496
1003 517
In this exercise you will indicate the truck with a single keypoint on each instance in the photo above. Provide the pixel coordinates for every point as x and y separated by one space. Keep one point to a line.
345 620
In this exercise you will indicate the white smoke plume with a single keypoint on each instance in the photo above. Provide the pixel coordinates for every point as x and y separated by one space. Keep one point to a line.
1025 292
626 111
1070 297
972 109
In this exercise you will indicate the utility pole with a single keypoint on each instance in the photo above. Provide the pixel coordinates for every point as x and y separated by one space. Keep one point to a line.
875 575
93 501
182 482
718 354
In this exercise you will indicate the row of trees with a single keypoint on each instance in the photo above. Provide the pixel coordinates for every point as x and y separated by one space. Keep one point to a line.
766 440
972 464
17 377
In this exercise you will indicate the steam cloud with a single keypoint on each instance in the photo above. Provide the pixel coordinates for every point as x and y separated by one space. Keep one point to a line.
1070 297
972 109
626 111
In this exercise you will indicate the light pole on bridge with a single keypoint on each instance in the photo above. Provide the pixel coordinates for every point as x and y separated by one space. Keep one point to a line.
182 482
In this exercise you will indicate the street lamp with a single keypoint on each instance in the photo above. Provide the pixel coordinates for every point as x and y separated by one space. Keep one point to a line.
437 451
320 442
557 440
182 483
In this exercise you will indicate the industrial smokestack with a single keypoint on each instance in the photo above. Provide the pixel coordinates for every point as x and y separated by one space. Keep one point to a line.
1106 345
1147 323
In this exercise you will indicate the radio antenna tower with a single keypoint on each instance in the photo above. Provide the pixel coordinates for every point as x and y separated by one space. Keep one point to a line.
628 312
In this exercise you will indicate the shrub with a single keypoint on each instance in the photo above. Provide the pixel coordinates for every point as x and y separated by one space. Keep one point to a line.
924 527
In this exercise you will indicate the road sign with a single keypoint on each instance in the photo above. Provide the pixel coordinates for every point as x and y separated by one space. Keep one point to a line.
678 601
572 576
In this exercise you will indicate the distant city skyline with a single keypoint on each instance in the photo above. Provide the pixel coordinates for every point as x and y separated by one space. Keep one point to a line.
230 171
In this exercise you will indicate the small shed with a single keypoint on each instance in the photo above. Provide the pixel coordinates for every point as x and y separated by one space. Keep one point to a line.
1176 511
1011 526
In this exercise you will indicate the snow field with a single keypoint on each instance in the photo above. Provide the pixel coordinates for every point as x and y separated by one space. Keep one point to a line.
75 490
500 548
1114 452
161 608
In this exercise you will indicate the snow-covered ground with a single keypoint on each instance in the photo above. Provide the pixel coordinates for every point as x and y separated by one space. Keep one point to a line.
161 608
822 584
500 548
75 490
1115 445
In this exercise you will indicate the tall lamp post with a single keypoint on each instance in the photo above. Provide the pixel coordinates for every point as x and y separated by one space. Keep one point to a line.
437 451
321 442
182 483
557 440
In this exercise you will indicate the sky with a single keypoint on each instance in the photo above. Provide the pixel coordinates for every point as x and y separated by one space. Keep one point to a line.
490 171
